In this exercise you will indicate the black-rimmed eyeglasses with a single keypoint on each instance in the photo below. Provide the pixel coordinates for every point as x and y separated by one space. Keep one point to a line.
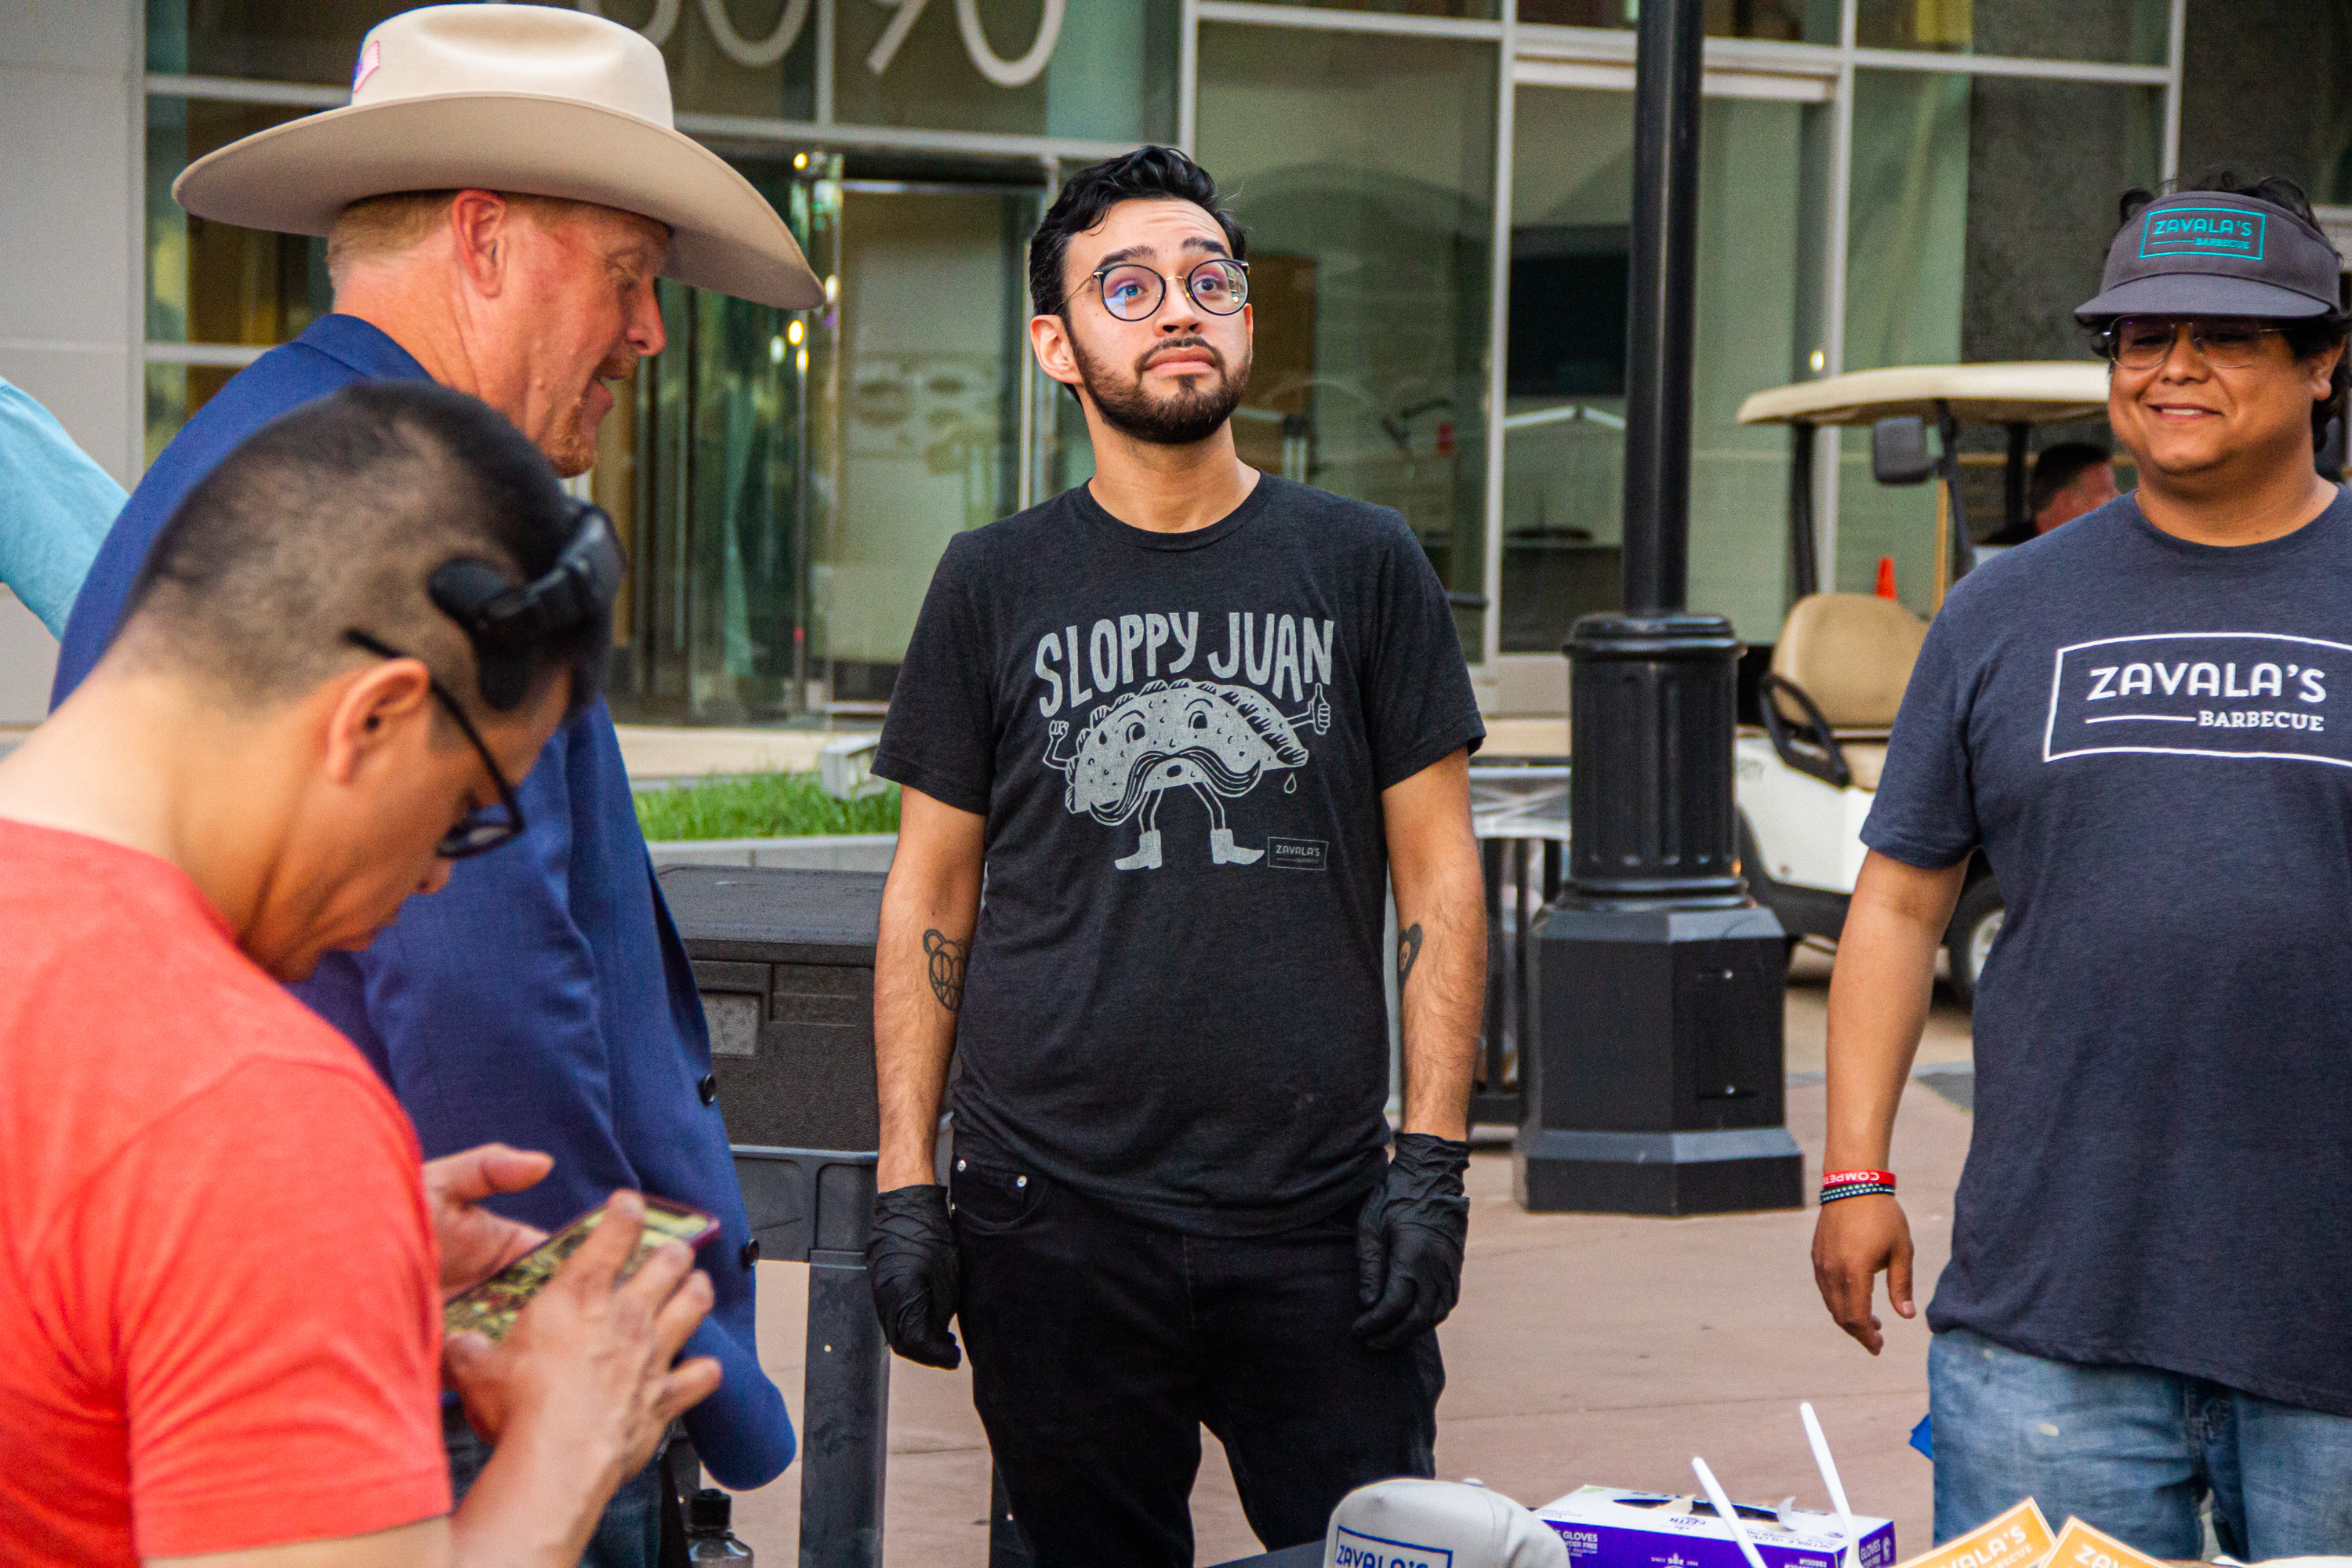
479 830
1134 292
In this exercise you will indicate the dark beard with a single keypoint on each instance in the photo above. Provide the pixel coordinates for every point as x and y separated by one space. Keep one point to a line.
1185 419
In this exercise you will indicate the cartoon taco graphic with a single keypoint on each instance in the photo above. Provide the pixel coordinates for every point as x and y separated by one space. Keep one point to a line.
1216 741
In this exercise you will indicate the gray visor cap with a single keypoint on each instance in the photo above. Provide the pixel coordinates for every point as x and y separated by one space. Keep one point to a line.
2205 254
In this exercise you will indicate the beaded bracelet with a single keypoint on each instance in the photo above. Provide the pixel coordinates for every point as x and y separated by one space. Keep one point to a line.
1836 1184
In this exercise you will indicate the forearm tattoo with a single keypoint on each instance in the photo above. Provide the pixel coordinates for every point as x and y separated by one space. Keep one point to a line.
1408 953
947 957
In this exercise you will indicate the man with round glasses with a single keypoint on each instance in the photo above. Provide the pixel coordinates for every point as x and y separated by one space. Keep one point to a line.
2144 721
1189 715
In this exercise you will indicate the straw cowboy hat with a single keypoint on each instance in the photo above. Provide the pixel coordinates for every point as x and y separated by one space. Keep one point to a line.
526 98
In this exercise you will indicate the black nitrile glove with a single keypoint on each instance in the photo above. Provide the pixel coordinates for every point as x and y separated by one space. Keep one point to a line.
1409 1241
911 1259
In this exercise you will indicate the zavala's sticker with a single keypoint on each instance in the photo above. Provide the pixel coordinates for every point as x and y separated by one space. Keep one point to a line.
2210 694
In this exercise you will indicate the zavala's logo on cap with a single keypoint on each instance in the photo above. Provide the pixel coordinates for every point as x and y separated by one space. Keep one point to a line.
2202 231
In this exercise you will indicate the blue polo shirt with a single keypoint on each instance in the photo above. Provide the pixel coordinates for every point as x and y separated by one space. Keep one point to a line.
542 999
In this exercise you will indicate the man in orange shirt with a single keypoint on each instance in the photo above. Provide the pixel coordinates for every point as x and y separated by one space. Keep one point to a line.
220 1283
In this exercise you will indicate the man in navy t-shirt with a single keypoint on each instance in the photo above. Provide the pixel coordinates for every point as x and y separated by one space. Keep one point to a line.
2144 722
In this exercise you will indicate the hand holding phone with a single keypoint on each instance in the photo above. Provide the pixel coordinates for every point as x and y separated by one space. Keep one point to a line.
475 1243
580 1389
595 1333
489 1308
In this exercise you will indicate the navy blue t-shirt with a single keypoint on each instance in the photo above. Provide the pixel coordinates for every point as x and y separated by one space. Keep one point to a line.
2151 741
1174 999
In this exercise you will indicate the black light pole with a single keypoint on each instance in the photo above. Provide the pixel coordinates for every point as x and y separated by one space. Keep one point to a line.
1655 1086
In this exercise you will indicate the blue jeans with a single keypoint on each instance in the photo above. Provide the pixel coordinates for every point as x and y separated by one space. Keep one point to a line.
2134 1451
629 1536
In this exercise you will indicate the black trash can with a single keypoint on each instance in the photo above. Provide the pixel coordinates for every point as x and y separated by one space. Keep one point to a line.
784 960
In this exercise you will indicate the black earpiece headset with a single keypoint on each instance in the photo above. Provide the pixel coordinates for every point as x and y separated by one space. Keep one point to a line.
507 622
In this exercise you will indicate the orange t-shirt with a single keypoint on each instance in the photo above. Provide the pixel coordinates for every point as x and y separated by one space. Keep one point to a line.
219 1322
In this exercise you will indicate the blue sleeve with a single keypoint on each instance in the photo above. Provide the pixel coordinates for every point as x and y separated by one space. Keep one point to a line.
55 508
283 379
1925 814
484 1008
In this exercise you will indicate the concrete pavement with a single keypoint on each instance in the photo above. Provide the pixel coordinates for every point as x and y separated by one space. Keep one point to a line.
1585 1349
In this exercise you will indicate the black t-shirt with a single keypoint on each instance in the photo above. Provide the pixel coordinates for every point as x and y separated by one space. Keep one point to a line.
2151 741
1174 998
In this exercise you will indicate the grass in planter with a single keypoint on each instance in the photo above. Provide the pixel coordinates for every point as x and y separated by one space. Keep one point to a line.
760 805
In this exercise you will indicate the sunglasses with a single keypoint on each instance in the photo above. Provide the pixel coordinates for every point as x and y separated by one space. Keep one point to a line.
484 828
2143 342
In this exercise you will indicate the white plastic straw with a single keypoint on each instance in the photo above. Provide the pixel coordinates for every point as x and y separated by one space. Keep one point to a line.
1829 1470
1728 1513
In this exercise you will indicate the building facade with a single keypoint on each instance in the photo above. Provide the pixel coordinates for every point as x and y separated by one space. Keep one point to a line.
1437 194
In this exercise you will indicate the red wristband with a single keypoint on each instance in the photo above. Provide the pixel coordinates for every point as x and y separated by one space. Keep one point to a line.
1837 1184
1844 1178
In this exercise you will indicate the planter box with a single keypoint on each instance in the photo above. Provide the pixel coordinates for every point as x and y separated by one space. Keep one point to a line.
812 852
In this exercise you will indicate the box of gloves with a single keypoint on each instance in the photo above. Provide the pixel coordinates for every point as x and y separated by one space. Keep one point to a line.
1608 1527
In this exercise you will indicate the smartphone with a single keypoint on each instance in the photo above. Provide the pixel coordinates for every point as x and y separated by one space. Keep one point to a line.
491 1307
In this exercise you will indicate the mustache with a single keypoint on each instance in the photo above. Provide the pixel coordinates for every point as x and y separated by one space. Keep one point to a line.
1173 345
619 366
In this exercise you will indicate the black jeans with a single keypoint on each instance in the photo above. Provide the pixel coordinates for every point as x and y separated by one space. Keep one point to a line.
1100 1346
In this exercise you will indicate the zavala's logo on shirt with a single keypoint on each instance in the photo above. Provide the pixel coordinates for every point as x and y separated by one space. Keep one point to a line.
1214 738
2216 694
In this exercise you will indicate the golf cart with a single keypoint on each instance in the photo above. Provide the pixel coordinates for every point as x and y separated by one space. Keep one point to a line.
1807 769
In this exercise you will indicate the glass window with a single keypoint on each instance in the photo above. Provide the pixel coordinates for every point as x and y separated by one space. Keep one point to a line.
755 58
1478 10
1906 248
2126 31
1107 74
1563 478
1368 254
209 282
712 465
1564 416
1790 21
2232 112
725 56
1969 243
933 335
269 40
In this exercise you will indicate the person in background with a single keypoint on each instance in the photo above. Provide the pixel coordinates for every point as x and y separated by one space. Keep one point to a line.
2136 720
56 506
221 1269
2069 479
1193 718
497 201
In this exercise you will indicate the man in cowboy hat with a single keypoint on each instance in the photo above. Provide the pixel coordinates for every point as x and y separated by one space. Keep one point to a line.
498 199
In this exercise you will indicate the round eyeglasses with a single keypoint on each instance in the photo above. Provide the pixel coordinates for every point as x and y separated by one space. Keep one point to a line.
2143 342
1134 292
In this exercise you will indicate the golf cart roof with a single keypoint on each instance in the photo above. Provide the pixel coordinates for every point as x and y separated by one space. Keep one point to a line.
2040 392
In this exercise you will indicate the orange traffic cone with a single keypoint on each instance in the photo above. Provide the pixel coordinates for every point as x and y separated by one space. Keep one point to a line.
1886 576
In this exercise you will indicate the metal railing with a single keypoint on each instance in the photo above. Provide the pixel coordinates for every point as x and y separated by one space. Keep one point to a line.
1518 809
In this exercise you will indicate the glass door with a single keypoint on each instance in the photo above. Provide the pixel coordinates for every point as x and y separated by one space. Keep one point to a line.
712 466
786 482
1564 414
933 354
